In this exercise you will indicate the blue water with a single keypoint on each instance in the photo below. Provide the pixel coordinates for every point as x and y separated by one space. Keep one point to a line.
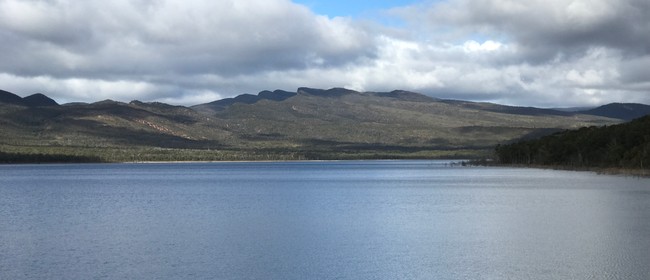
320 220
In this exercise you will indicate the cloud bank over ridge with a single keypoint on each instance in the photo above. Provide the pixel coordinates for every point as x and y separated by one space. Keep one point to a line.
542 53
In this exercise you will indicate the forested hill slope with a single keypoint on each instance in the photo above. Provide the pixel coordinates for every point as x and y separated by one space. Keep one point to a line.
619 146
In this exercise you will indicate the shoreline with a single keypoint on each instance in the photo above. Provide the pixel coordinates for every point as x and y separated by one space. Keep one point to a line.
458 161
643 173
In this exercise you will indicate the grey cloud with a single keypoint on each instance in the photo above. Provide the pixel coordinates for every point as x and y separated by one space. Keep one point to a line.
574 51
634 71
176 51
547 29
123 38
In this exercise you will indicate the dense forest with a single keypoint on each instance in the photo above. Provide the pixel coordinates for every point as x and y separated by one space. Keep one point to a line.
45 158
616 146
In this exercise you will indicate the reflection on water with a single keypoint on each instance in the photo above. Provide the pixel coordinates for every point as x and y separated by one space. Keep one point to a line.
323 220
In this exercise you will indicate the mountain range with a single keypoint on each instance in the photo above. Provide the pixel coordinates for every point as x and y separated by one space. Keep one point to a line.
305 124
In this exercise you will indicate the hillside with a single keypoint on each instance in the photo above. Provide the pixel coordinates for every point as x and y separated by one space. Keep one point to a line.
347 119
34 100
623 111
617 146
306 124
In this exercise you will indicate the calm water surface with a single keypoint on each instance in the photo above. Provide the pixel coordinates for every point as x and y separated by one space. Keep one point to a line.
320 220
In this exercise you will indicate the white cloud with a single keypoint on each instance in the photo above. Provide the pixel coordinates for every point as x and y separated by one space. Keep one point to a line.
587 78
191 97
487 46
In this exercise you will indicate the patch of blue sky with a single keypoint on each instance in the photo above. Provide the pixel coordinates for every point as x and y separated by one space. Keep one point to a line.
373 10
352 8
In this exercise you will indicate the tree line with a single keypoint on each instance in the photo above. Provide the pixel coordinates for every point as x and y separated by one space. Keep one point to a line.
616 146
45 158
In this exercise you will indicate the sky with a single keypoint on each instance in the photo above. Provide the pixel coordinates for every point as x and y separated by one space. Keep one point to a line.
352 8
545 53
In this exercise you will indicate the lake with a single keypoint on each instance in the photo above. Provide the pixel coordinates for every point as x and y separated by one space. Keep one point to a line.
320 220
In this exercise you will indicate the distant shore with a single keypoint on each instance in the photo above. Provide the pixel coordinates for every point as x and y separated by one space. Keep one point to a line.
56 154
598 170
453 162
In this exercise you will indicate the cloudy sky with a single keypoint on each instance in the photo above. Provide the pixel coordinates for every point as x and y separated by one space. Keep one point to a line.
537 52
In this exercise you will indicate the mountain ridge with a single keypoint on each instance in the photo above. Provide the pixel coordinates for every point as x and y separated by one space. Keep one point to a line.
624 111
34 100
307 124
